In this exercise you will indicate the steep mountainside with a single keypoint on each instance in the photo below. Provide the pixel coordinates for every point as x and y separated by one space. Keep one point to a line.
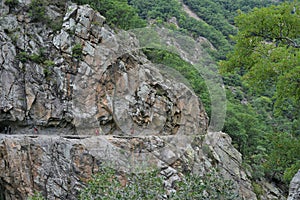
77 96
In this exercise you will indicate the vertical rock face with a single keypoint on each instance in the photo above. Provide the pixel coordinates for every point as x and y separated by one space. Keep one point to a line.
294 191
58 89
84 78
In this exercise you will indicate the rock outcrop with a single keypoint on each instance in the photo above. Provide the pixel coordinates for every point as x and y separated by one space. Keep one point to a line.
84 95
107 86
59 166
294 191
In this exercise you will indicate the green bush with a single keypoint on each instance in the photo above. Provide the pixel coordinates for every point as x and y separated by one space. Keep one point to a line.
283 160
77 51
257 189
49 63
106 185
11 3
117 13
37 58
22 56
36 196
149 185
211 186
290 172
37 10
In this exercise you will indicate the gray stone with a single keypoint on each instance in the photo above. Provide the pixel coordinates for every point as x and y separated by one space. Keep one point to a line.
9 23
294 191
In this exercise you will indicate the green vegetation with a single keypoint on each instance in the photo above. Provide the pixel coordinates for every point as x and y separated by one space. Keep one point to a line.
162 11
186 69
36 196
77 51
39 58
23 56
264 70
109 184
283 162
217 18
210 186
37 10
11 3
267 50
117 13
261 110
261 74
212 13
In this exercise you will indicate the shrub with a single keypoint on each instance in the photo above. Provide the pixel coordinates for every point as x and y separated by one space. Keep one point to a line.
23 56
37 11
11 3
77 51
107 185
36 196
149 185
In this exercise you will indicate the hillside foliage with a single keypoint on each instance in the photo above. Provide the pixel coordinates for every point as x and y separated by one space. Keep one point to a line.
266 58
149 185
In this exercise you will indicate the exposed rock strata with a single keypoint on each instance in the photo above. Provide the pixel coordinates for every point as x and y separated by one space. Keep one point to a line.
59 166
112 88
56 101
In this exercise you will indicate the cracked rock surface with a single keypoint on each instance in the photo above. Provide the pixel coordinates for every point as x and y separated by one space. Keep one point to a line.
67 112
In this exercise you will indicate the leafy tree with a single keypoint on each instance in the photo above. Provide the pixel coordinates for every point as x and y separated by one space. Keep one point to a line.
267 57
267 50
283 160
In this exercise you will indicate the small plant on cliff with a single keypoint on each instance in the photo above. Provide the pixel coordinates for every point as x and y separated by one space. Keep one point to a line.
117 13
37 10
77 51
36 196
11 3
22 56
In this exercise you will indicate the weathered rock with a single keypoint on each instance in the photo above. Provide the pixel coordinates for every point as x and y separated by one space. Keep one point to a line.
112 87
60 89
294 191
60 166
270 191
218 149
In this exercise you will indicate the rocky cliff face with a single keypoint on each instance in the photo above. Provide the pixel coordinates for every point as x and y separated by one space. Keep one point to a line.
84 95
106 85
59 166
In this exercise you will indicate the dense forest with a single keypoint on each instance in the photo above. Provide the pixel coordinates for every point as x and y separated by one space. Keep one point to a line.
256 47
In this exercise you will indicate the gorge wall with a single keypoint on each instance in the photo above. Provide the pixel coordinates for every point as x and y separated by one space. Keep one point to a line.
74 98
